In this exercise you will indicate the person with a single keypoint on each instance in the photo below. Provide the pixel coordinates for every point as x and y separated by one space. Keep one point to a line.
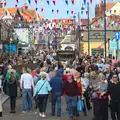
6 78
114 97
70 89
57 86
101 100
87 90
34 72
42 90
81 87
100 65
12 86
27 85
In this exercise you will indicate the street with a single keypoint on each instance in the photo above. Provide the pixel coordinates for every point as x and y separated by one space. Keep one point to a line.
33 116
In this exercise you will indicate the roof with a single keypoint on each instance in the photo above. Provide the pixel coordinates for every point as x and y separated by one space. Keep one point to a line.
29 14
63 21
110 5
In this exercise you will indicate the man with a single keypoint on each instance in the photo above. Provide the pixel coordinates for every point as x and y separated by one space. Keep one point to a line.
27 85
57 85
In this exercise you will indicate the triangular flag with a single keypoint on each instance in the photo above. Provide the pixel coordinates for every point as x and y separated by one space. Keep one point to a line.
36 9
29 1
67 12
72 12
87 12
90 1
66 1
42 9
54 2
5 3
72 2
36 1
48 2
57 11
52 11
84 1
17 1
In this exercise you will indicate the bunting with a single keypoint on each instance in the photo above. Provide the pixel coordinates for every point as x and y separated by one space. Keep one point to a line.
72 2
5 3
57 11
84 1
48 2
36 9
52 11
36 1
42 9
29 1
67 12
17 1
90 1
66 1
54 2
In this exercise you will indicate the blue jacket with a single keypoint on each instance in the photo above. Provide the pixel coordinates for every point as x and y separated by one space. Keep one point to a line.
56 84
60 72
45 88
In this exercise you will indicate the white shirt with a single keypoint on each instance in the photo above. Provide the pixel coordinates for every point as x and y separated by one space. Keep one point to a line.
26 81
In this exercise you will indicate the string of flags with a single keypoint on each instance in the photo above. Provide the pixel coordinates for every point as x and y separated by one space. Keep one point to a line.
55 1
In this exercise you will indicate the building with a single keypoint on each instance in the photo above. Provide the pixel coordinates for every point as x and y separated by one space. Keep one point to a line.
21 20
97 28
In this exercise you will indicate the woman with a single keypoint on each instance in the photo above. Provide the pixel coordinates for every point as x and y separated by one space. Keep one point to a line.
81 87
100 99
12 87
114 96
42 90
71 91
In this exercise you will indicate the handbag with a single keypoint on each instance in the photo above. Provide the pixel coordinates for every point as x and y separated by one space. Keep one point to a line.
80 105
36 96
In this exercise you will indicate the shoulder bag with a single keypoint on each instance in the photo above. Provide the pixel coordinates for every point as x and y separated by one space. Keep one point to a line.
36 96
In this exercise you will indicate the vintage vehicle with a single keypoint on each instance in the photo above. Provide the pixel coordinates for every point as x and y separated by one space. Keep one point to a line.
65 55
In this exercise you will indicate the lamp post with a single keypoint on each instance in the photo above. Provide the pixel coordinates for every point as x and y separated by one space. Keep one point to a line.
105 29
88 29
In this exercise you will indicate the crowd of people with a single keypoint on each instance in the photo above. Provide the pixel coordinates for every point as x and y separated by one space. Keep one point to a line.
93 80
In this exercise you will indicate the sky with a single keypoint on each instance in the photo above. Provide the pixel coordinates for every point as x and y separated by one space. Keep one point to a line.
60 5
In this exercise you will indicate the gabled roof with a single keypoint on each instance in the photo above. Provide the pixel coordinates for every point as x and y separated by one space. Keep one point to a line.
110 5
29 14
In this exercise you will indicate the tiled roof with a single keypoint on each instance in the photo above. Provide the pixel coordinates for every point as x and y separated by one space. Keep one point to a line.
110 5
29 15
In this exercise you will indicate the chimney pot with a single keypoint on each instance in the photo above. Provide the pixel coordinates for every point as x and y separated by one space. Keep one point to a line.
1 4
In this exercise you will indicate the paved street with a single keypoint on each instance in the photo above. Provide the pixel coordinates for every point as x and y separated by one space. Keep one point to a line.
33 116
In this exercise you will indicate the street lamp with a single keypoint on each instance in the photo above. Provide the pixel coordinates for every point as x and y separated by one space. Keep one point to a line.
105 29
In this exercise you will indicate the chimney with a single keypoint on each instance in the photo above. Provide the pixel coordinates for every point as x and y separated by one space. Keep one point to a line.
25 7
97 8
1 4
102 7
